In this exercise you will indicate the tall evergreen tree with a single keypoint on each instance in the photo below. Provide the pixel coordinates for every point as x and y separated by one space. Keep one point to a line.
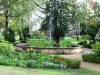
56 19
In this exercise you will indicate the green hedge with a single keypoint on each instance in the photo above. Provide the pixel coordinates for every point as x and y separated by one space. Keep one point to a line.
91 58
40 43
83 43
65 43
46 43
37 42
75 64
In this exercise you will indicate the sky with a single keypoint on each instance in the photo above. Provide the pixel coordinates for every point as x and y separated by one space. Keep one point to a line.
97 0
93 0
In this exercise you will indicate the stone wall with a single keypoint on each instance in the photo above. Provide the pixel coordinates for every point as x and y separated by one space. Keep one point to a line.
54 50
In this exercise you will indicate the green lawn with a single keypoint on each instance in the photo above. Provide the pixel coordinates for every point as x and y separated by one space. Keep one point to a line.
9 70
73 40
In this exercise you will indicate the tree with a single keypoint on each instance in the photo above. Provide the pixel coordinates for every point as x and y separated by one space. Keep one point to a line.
96 9
56 19
79 14
83 27
92 30
93 24
14 9
2 22
10 35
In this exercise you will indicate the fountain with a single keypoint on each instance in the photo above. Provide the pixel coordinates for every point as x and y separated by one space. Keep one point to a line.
49 50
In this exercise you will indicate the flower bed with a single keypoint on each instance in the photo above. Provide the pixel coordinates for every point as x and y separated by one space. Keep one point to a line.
38 60
33 59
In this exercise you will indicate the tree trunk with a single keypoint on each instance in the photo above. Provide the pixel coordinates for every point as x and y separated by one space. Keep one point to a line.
57 43
6 18
6 15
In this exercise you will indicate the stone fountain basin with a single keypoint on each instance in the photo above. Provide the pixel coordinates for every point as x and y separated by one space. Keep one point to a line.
49 50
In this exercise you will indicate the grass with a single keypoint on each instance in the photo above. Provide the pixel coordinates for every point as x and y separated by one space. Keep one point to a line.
73 40
10 70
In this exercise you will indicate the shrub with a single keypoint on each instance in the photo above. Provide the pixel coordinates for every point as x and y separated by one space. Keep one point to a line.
37 35
91 58
25 33
40 43
37 42
51 66
87 37
1 38
84 43
40 65
31 64
42 61
21 63
88 57
74 37
88 45
49 44
4 60
9 35
96 48
82 36
65 43
67 62
68 43
85 57
6 48
75 64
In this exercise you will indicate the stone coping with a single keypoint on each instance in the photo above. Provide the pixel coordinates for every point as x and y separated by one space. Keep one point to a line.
49 50
25 45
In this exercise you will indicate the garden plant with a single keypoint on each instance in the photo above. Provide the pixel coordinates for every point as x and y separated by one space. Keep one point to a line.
33 59
95 56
